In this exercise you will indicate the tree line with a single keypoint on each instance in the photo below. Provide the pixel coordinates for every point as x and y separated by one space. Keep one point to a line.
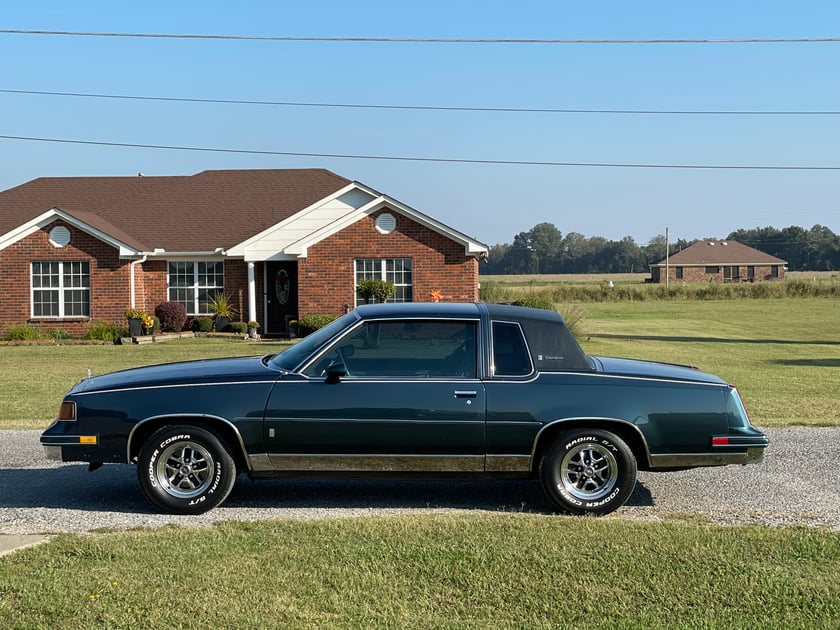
544 249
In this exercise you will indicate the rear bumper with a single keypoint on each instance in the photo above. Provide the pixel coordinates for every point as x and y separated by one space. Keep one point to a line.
752 455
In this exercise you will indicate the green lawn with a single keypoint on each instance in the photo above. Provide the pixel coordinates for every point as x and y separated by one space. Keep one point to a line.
427 571
783 354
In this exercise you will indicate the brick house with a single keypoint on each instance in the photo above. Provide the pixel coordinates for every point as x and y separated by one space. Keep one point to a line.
280 243
712 260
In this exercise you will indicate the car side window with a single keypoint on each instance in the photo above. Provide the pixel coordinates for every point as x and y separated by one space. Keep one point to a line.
404 349
510 352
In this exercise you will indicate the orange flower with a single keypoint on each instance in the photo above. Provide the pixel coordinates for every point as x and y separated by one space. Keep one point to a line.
435 295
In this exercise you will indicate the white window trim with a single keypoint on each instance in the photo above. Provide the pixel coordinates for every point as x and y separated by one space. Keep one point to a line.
383 275
195 287
61 291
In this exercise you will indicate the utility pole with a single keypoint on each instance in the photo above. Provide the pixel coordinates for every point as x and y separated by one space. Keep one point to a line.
667 255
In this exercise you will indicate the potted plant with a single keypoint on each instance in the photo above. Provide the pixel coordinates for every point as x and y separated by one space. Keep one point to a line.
221 306
135 321
253 327
148 324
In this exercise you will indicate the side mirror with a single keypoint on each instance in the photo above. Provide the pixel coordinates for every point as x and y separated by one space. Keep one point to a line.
334 372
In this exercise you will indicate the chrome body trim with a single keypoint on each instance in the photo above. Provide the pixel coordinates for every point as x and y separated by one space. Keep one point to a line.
184 417
593 419
508 463
377 463
752 455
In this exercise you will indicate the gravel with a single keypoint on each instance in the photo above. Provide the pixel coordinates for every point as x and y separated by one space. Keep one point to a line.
798 483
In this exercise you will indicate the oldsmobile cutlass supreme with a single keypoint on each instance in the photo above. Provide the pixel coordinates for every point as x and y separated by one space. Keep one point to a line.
413 390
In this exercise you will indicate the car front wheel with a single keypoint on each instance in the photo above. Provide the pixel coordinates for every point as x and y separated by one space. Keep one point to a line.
588 471
185 469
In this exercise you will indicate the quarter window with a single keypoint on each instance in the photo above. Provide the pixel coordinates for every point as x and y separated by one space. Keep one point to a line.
60 289
194 283
510 353
397 271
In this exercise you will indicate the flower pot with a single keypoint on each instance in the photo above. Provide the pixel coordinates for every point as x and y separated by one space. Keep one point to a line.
222 322
252 332
135 327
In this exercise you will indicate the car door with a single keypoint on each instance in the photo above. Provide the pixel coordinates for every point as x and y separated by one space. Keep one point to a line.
389 396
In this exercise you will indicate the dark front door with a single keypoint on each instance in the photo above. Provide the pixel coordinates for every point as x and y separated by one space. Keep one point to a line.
282 296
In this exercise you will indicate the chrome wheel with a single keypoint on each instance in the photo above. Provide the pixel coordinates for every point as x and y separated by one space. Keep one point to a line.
185 469
589 471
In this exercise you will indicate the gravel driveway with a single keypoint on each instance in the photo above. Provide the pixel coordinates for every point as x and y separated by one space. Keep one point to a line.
798 483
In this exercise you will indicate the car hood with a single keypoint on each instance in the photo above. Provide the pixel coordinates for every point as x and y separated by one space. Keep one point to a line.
187 372
652 369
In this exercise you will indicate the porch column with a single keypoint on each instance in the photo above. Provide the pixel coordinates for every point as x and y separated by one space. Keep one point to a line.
252 293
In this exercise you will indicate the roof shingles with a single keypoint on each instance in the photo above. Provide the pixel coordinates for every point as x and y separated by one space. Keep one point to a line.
179 214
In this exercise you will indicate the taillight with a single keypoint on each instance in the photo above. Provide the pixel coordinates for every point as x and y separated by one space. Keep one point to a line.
67 411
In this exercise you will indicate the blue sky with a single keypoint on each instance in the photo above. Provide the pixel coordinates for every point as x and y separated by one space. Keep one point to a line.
490 202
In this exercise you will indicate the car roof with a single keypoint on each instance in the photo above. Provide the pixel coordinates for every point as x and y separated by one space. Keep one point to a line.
418 309
455 309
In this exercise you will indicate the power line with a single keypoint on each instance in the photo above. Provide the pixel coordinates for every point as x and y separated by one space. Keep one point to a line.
430 40
444 108
427 159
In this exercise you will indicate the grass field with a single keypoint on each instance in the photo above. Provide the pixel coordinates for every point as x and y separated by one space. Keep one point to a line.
783 354
464 569
428 571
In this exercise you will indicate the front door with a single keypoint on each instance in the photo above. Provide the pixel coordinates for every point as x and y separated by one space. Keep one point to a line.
281 296
408 399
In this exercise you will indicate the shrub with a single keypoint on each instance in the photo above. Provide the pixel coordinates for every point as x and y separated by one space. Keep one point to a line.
172 316
24 332
101 330
573 315
59 334
310 323
494 293
380 290
238 327
202 324
535 302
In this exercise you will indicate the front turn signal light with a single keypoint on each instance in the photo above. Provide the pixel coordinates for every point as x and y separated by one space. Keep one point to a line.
67 411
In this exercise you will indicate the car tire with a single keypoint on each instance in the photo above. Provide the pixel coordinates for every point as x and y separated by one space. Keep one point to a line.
588 471
185 469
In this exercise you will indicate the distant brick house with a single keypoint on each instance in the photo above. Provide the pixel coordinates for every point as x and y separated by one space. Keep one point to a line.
712 260
281 243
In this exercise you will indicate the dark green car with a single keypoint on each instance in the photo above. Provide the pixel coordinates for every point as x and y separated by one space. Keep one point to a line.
415 390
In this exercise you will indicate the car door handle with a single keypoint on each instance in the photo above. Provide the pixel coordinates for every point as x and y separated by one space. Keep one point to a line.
461 393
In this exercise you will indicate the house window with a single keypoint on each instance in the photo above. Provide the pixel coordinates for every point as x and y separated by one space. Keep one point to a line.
60 289
712 269
678 273
397 271
194 283
751 272
774 271
731 274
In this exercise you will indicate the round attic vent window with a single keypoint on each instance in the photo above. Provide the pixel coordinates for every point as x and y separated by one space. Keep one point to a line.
386 223
59 236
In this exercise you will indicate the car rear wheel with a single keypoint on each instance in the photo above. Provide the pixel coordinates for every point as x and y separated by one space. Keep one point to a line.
185 469
588 471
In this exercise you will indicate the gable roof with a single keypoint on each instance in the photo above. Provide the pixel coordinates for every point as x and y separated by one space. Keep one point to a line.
716 253
256 214
196 213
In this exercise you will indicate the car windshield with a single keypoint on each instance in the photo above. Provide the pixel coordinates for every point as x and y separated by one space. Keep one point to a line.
292 357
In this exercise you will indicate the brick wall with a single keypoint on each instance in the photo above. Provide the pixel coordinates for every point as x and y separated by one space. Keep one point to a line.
326 277
109 279
700 274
